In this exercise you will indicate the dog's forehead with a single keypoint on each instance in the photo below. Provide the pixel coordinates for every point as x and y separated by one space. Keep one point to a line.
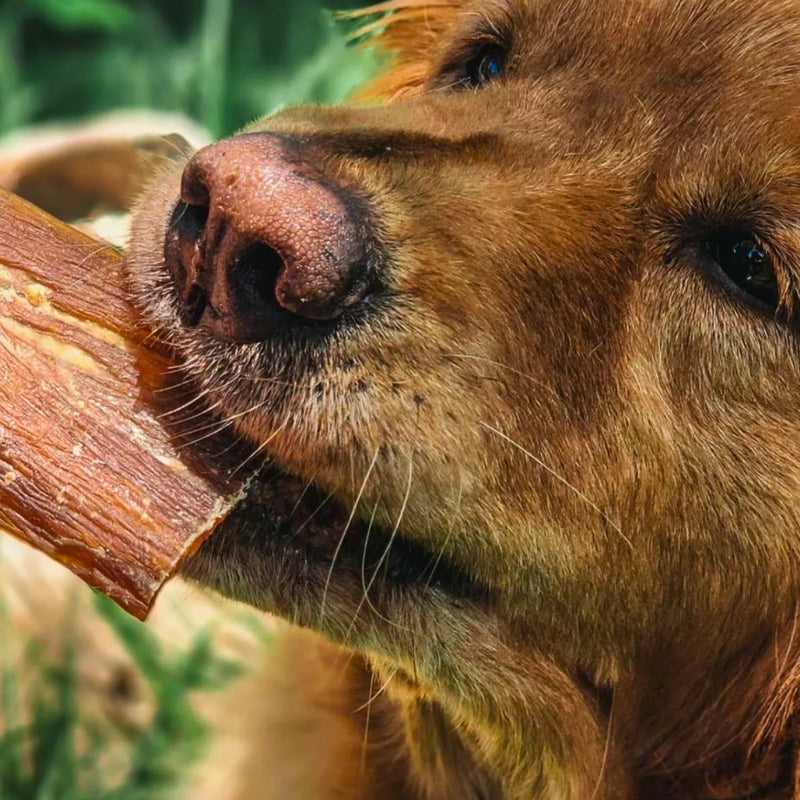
669 45
745 27
714 83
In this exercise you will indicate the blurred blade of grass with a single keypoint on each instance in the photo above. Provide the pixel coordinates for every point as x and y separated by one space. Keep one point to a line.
10 763
176 736
19 98
329 75
215 44
55 719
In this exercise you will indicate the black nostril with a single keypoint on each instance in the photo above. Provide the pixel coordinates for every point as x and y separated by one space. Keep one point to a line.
194 306
246 289
189 220
184 232
253 278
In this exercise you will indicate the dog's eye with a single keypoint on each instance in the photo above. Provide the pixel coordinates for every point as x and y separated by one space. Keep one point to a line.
488 64
746 263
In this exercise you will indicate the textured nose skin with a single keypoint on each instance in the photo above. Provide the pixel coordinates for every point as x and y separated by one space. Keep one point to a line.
258 231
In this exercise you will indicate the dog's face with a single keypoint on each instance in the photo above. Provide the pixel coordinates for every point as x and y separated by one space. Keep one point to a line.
531 325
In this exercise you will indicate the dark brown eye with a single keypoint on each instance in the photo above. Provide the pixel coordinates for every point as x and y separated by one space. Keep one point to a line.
746 263
488 64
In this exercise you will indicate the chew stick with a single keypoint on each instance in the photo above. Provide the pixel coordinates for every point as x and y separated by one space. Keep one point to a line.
88 471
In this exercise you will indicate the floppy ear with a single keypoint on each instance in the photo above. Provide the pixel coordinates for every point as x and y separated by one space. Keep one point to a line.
78 171
406 31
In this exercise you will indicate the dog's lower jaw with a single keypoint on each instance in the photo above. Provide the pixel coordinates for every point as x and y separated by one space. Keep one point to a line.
483 718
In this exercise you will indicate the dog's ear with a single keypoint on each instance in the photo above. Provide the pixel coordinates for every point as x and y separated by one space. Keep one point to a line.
407 32
77 172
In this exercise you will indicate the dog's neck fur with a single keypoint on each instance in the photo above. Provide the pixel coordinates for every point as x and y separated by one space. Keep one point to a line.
743 745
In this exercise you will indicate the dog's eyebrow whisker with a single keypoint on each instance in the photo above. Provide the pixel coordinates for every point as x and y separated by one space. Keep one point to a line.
340 543
560 479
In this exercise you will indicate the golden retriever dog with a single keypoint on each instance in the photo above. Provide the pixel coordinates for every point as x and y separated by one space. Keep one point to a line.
518 346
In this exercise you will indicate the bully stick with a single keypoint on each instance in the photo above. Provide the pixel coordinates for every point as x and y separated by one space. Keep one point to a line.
90 472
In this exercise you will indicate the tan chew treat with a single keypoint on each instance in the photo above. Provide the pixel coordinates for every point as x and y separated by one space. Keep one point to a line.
88 472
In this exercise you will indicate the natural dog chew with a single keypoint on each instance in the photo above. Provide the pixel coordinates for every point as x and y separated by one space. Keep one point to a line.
88 472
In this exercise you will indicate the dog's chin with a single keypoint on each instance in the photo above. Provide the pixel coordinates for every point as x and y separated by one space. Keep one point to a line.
295 551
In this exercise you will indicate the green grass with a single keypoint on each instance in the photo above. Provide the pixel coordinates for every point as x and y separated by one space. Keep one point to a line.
223 62
50 750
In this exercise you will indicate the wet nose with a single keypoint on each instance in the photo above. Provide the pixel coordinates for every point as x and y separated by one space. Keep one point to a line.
260 240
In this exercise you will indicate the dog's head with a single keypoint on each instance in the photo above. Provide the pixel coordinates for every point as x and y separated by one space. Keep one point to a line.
530 326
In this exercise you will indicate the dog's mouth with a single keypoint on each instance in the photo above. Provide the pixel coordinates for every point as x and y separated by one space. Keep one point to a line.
295 536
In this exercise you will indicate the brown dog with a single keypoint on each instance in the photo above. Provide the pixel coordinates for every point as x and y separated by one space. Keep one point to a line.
525 334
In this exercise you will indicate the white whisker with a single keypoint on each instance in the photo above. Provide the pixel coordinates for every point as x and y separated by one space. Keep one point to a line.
396 528
340 543
561 480
260 449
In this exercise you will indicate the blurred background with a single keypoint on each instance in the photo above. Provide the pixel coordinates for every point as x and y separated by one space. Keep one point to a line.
94 705
222 62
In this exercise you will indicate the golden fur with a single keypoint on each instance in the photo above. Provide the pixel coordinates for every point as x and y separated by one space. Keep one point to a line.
556 398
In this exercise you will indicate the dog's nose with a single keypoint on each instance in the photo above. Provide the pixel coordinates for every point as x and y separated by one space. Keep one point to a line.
259 233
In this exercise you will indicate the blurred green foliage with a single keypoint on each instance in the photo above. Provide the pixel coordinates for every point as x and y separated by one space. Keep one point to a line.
49 750
223 62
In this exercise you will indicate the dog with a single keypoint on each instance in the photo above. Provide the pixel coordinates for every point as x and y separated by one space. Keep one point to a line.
517 344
